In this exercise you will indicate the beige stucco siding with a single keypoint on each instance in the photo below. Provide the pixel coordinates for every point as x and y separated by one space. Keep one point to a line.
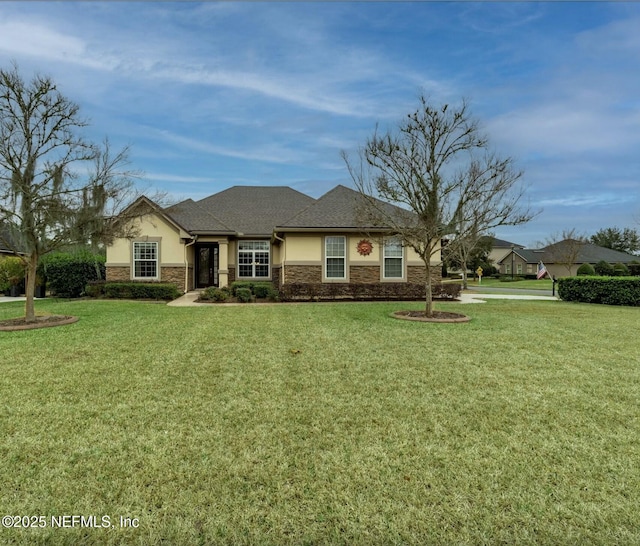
303 248
309 248
153 227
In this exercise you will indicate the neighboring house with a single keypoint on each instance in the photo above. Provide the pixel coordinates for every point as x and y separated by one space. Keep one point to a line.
500 248
261 233
561 259
7 242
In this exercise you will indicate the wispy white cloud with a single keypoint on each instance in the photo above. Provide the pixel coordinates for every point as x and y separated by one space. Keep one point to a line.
169 177
270 154
582 200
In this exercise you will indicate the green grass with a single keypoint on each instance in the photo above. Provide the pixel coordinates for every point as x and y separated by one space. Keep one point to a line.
529 284
324 424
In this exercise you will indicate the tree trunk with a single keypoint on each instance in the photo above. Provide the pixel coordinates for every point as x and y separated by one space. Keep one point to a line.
30 288
464 276
428 310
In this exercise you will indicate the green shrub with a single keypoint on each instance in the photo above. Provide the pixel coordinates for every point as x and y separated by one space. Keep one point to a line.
213 293
243 295
140 290
606 290
94 289
68 273
604 269
634 269
620 270
241 284
263 290
12 272
586 269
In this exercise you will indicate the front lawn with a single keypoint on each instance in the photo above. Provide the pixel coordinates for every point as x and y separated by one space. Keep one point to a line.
325 423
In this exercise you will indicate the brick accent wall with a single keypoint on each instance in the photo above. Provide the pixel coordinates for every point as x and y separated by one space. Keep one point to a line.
118 274
415 274
364 273
303 274
232 274
173 275
275 277
305 283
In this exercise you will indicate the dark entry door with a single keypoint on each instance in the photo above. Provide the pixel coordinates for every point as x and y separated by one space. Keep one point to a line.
207 265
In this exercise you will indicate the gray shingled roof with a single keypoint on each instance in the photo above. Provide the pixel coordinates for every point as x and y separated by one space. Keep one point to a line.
194 218
338 208
587 253
7 241
501 243
255 210
590 253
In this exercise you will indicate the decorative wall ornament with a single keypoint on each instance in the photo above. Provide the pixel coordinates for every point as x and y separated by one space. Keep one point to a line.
364 247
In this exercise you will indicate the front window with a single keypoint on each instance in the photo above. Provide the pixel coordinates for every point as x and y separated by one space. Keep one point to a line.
335 257
145 260
253 259
393 257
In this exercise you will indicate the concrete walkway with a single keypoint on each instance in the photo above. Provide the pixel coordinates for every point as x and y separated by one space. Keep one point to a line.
471 297
7 299
189 299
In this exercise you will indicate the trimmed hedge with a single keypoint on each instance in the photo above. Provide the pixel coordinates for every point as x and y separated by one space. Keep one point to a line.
605 290
243 295
133 290
259 289
586 270
634 269
67 274
604 269
358 291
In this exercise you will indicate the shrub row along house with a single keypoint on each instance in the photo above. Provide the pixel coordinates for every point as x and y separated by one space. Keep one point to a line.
260 233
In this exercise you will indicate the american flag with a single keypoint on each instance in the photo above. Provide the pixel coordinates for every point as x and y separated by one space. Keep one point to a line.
542 270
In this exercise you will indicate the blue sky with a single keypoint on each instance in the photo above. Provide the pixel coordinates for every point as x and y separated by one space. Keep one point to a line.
211 95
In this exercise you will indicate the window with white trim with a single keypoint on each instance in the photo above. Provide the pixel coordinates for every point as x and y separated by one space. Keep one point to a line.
253 259
393 257
145 260
335 257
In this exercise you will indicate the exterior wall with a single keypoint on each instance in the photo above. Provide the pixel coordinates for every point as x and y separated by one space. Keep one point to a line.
303 274
171 252
118 274
151 225
415 274
303 261
364 274
519 266
173 275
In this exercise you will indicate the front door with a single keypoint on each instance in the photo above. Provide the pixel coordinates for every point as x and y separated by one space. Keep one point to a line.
206 265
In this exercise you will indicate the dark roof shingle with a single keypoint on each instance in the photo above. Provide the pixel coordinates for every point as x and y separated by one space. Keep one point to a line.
194 218
338 208
255 210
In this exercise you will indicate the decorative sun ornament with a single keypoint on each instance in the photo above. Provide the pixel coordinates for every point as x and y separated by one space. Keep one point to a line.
364 247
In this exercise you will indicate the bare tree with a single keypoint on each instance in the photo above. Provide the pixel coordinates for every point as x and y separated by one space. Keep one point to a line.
55 187
473 247
564 248
437 166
